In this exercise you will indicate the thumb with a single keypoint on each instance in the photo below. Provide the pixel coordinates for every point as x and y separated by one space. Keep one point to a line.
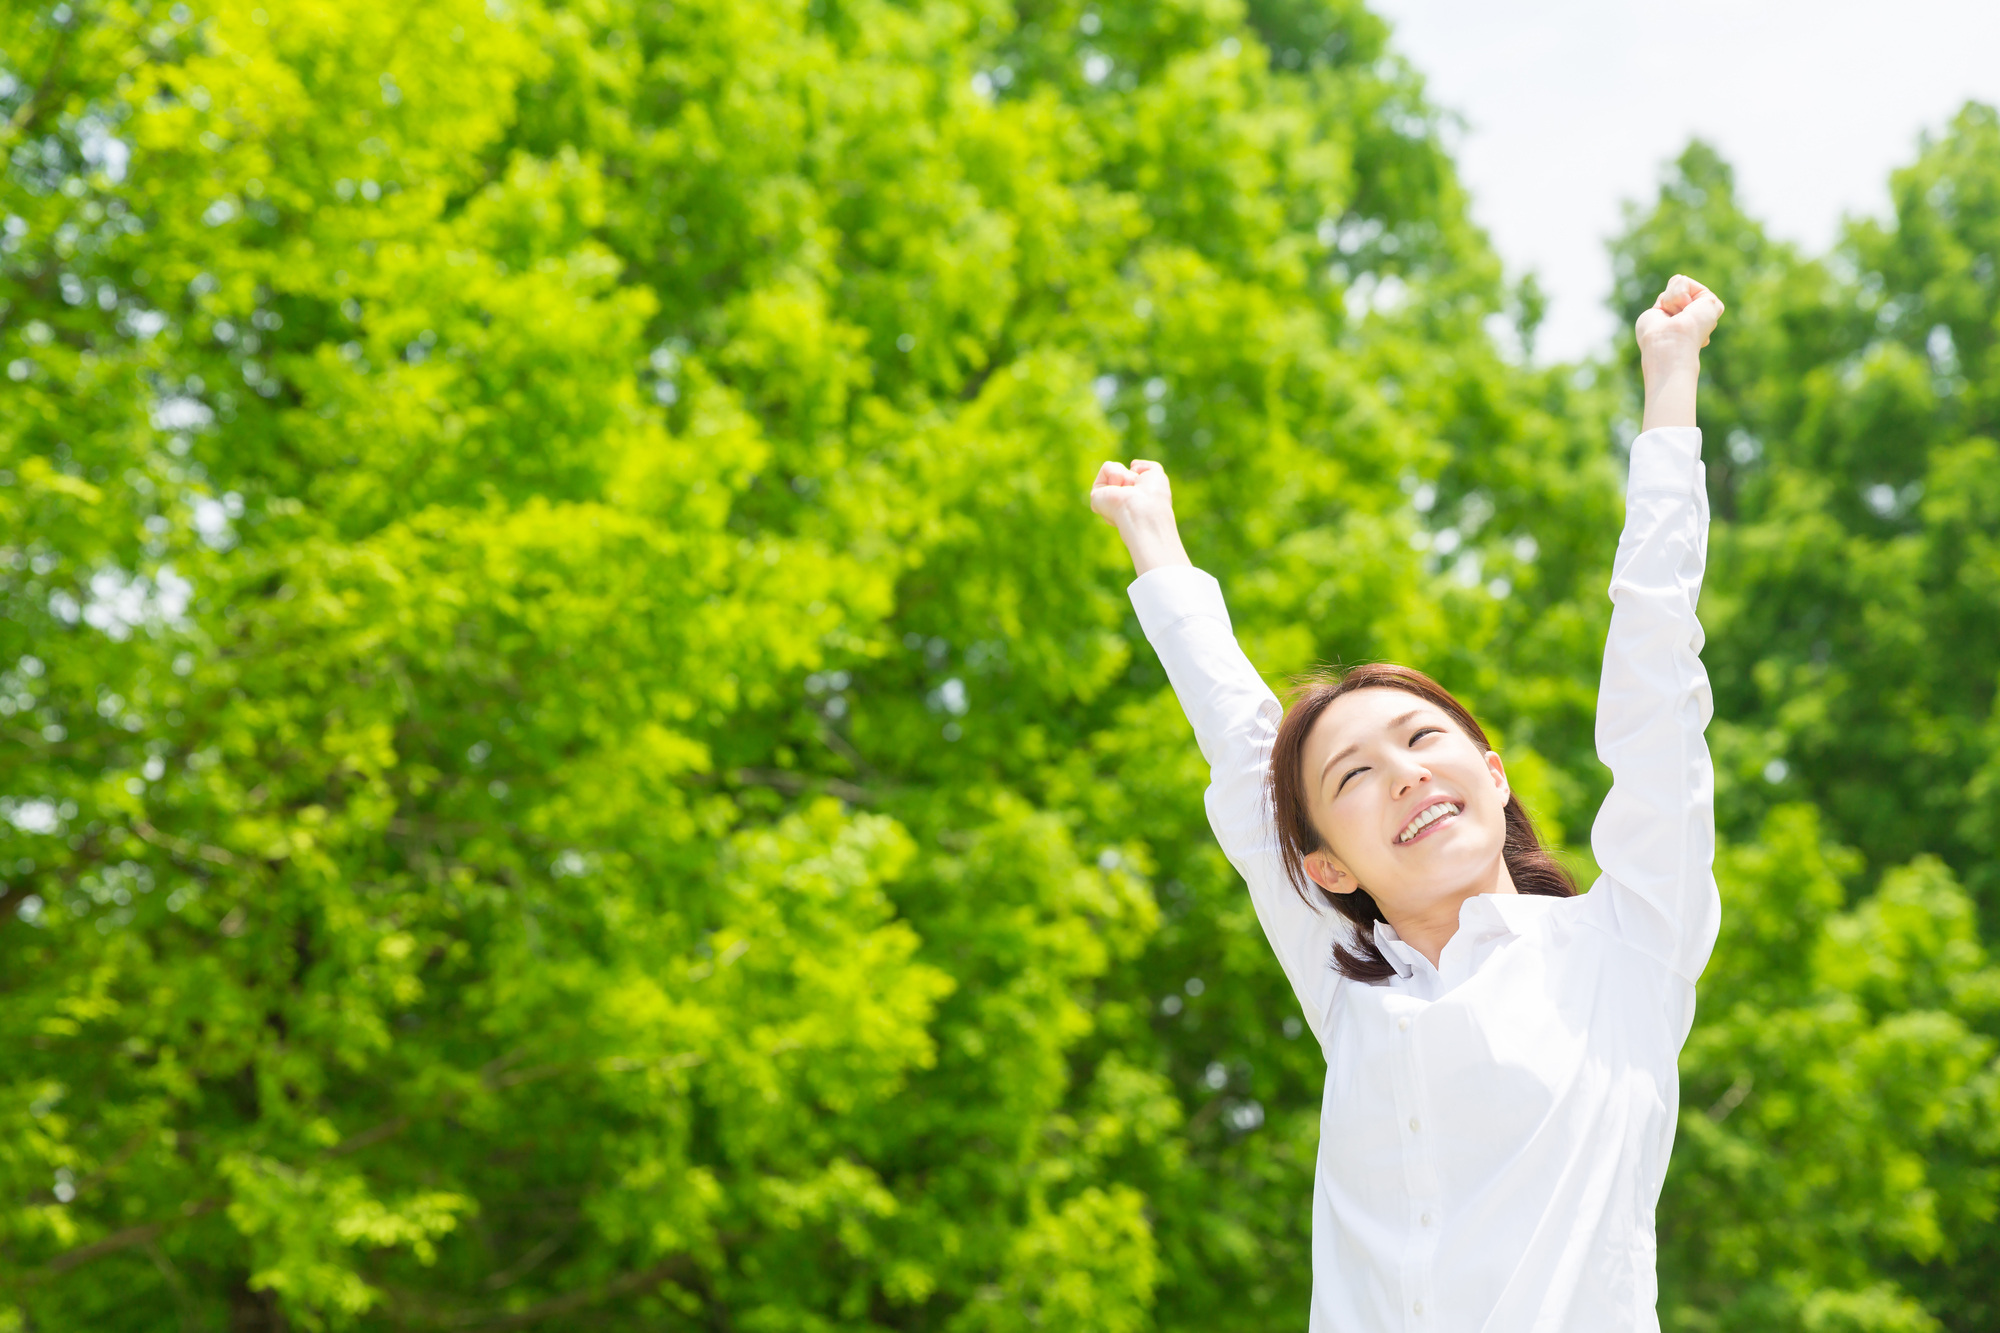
1708 313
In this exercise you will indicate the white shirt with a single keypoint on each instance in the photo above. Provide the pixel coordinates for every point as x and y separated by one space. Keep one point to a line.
1495 1130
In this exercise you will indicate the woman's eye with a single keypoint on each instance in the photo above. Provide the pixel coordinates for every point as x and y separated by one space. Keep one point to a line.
1344 777
1425 731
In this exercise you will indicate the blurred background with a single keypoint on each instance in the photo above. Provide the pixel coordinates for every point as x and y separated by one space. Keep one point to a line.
574 758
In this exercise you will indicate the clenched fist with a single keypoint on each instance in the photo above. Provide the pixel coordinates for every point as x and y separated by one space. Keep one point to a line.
1680 321
1122 493
1138 501
1671 334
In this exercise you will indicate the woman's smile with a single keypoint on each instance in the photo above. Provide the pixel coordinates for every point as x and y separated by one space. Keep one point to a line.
1434 816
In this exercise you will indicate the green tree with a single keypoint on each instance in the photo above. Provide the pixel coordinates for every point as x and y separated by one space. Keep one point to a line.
1839 1165
573 753
572 745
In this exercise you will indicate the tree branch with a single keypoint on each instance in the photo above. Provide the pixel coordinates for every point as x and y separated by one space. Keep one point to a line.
583 1298
180 847
787 781
116 1160
521 1267
493 1075
30 111
130 1236
368 1138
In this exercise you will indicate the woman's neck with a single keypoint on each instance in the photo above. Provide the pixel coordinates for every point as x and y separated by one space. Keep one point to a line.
1429 927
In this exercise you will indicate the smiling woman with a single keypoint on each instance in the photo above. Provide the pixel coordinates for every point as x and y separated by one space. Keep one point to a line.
1502 1082
1469 827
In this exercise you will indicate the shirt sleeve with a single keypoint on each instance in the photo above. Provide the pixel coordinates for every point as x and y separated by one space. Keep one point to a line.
1235 718
1655 835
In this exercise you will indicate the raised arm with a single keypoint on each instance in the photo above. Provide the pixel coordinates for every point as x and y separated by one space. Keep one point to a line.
1655 835
1234 714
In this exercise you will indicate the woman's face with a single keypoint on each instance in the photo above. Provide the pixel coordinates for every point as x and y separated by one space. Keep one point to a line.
1410 808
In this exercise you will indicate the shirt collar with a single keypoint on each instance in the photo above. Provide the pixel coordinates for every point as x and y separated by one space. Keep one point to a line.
1398 953
1482 918
1489 915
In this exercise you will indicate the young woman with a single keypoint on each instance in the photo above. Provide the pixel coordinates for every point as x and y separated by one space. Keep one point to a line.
1501 1082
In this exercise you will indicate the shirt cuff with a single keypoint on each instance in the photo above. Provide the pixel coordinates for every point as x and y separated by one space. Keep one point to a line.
1667 459
1172 593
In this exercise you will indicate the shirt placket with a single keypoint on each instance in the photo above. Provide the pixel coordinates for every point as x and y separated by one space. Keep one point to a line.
1420 1177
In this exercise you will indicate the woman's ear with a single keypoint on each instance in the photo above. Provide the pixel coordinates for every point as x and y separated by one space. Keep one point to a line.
1323 870
1499 772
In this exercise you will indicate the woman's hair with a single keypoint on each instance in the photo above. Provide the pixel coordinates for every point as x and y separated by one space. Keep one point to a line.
1533 869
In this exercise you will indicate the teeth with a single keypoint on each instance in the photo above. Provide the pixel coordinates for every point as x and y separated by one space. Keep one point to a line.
1429 817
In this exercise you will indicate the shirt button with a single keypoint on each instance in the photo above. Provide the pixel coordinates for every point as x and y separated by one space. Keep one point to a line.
1427 1219
1413 1124
1402 1025
1418 1308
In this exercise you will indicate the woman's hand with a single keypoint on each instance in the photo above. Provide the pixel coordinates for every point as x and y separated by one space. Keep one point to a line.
1671 335
1138 501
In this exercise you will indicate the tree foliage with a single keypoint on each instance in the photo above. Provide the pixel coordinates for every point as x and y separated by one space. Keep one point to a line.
573 755
1845 1173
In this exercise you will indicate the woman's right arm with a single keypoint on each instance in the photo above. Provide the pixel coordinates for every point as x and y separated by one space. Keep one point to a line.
1234 715
1655 835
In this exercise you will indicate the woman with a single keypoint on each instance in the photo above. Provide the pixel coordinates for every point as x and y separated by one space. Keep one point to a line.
1501 1082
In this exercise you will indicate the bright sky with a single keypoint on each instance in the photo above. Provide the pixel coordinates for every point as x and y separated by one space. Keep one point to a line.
1572 107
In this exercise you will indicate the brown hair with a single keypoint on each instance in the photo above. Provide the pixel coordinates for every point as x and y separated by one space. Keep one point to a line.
1533 869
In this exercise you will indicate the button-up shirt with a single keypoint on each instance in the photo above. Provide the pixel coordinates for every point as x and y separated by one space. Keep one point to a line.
1495 1129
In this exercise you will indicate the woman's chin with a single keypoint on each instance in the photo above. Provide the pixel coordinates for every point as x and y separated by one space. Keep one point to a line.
1456 859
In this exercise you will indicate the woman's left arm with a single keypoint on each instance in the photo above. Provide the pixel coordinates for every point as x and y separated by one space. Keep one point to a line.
1655 835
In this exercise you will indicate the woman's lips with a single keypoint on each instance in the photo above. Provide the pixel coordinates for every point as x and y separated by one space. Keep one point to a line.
1434 825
